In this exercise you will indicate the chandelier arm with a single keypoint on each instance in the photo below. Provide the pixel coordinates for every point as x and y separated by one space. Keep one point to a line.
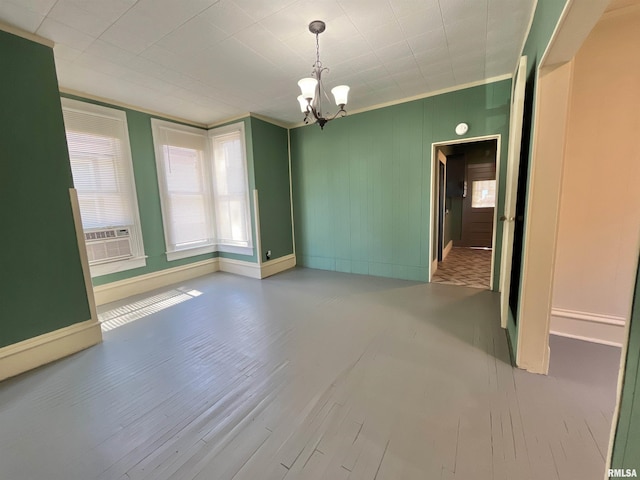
342 113
316 114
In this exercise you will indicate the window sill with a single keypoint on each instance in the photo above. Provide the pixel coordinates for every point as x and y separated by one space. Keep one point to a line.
117 266
235 249
190 252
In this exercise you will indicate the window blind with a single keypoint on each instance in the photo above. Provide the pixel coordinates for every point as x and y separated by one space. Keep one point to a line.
184 187
231 191
101 167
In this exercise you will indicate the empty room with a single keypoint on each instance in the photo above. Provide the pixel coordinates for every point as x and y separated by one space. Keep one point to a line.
319 239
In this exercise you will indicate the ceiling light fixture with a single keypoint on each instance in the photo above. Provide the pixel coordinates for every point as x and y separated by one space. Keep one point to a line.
313 90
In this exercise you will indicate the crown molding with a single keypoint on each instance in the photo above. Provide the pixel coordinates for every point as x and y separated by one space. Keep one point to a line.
27 35
116 103
227 120
273 121
435 93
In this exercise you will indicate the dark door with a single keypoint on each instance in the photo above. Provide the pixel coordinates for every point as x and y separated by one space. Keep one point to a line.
478 205
441 208
521 198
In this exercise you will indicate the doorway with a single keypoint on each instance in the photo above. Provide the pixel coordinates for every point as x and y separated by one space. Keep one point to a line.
464 212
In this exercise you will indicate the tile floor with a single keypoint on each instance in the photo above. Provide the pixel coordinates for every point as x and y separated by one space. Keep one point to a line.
469 267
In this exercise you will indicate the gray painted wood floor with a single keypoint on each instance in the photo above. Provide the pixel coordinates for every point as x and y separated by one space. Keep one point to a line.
309 375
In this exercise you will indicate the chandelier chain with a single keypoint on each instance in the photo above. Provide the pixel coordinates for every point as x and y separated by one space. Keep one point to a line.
318 64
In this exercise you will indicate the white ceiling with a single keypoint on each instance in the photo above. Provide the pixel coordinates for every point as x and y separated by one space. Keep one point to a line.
208 60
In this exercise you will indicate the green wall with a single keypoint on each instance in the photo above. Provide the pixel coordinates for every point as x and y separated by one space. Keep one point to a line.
271 166
544 23
626 446
41 281
148 195
361 187
268 171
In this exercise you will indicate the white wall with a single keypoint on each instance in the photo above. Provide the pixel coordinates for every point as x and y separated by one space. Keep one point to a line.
599 225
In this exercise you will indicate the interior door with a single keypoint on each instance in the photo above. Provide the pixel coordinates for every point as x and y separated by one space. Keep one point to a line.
513 163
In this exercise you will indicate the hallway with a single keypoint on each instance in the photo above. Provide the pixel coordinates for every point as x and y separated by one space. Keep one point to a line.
468 267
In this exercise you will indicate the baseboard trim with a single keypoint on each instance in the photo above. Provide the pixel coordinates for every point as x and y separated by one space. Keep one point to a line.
34 352
447 249
277 265
113 291
590 327
240 267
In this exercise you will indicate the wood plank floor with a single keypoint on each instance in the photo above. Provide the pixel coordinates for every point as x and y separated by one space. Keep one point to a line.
308 375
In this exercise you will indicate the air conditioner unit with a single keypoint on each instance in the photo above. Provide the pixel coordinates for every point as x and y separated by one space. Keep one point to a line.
108 245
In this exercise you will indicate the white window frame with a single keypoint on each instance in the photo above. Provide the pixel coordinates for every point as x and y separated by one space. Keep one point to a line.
137 244
224 130
192 251
208 172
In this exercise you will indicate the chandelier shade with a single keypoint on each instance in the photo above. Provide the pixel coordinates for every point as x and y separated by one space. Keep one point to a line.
341 94
308 87
312 89
304 105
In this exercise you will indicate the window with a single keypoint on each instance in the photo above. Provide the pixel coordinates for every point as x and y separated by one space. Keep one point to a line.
483 194
231 190
102 172
185 189
203 189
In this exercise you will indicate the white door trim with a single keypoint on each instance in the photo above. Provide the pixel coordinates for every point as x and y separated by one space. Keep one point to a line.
553 84
442 158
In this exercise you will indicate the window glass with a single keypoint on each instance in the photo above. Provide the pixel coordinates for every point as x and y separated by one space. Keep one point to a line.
483 194
203 189
100 157
231 190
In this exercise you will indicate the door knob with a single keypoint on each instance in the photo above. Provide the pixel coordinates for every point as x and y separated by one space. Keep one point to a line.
503 218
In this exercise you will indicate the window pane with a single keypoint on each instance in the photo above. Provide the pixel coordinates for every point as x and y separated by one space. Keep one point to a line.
231 193
483 194
183 169
101 166
184 183
188 220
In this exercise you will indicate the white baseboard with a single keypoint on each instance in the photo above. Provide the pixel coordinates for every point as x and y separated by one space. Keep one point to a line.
254 270
240 267
34 352
113 291
277 265
591 327
447 249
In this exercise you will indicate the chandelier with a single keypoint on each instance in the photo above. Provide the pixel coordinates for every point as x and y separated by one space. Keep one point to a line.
313 90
